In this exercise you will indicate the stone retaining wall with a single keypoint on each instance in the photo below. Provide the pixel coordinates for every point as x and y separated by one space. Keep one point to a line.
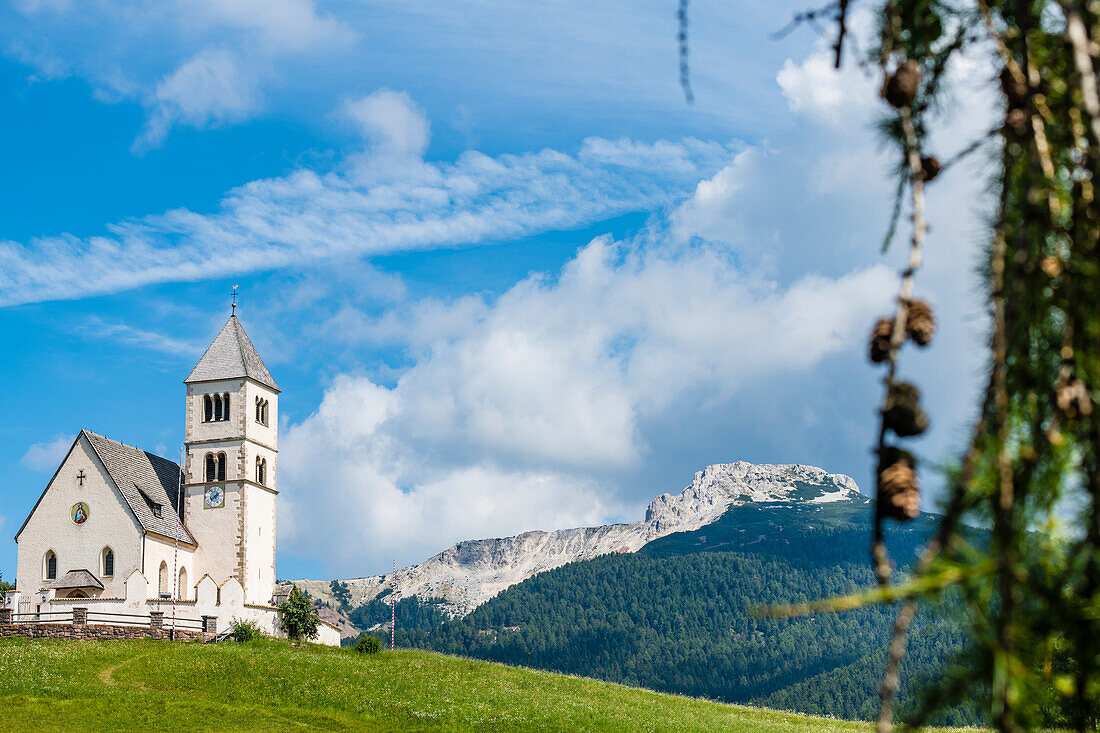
96 631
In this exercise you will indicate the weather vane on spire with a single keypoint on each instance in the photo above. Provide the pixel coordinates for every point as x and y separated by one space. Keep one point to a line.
234 300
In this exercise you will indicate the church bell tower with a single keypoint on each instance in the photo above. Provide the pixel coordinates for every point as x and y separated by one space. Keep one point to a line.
231 441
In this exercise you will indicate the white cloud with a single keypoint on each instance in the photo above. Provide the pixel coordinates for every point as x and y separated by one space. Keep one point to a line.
391 121
714 210
816 89
283 25
210 89
506 421
124 50
45 457
362 209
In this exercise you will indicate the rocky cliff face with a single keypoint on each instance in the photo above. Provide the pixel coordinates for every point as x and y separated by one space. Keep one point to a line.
469 573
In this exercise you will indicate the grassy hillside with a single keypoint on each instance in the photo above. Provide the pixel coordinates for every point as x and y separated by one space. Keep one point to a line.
151 685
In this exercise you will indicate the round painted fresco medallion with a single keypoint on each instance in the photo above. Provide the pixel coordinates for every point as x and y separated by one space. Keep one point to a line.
79 513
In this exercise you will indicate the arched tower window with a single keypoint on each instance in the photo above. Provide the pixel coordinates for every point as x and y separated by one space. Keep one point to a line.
217 407
207 408
107 562
163 579
261 470
225 406
221 467
49 571
211 467
261 411
181 593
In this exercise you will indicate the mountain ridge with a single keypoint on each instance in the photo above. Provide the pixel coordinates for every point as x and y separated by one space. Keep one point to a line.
470 572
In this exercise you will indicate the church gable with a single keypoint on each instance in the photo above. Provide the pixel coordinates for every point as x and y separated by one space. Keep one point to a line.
146 487
79 515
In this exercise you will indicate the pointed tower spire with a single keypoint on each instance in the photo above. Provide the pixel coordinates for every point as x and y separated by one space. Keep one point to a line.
231 356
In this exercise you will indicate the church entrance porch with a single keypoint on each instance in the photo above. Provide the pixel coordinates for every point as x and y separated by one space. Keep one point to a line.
76 584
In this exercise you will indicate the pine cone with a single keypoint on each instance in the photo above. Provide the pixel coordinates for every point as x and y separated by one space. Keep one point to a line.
900 88
1015 90
929 167
903 413
1016 122
898 486
920 325
880 339
1072 398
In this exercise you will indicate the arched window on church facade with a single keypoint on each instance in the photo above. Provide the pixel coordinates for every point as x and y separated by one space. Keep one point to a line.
261 470
182 592
107 562
49 570
261 411
214 465
164 580
215 408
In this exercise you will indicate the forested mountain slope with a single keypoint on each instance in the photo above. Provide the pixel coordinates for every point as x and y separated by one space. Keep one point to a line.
679 614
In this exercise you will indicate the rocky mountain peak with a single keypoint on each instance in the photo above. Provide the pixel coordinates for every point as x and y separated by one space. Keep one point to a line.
471 572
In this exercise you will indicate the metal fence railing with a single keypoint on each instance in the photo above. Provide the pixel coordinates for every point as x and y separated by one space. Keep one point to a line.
43 617
101 618
188 624
108 618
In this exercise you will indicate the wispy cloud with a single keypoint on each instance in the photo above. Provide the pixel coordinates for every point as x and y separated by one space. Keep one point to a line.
372 204
98 328
46 456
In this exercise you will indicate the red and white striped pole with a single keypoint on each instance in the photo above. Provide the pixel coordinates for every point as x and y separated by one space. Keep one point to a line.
176 547
393 606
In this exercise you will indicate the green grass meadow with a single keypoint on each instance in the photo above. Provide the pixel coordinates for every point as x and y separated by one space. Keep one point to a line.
158 685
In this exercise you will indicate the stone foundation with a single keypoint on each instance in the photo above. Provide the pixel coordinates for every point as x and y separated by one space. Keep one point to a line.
96 631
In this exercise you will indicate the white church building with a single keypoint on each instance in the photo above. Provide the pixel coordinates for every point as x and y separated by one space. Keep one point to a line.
120 530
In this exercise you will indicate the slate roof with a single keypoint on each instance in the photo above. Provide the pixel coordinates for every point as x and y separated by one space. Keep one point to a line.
76 579
145 481
231 356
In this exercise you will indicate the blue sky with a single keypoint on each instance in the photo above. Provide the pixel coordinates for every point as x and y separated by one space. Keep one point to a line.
505 276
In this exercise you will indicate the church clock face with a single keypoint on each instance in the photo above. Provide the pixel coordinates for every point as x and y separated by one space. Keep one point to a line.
214 498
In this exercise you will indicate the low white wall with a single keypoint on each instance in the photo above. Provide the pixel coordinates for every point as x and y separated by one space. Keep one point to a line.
224 602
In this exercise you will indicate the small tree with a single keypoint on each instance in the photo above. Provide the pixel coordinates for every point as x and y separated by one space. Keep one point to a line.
368 644
245 630
5 586
298 617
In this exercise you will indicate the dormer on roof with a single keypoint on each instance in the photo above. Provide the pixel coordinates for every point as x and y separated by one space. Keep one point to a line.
231 356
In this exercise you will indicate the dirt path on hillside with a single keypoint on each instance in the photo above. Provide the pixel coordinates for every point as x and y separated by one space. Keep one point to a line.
107 676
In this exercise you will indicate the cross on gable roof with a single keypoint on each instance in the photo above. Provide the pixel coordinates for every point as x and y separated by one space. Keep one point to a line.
231 356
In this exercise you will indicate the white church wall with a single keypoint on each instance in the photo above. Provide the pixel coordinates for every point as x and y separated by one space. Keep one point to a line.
137 591
259 544
79 547
159 550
